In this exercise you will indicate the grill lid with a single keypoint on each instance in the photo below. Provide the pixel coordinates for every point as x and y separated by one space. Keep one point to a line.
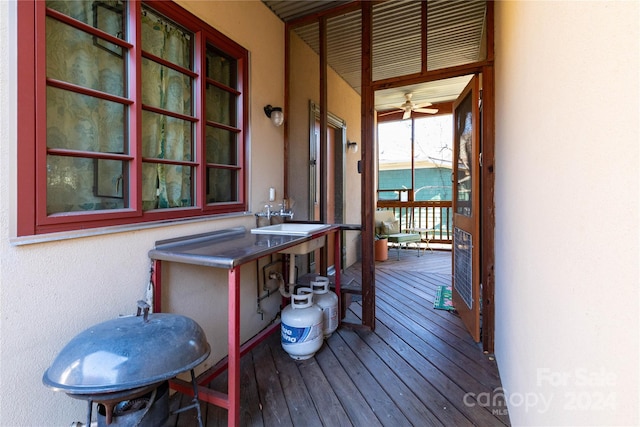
127 353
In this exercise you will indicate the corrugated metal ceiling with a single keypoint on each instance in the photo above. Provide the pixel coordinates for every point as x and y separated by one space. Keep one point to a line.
290 10
455 36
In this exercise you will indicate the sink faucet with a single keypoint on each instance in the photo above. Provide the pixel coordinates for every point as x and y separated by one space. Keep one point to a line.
284 212
266 213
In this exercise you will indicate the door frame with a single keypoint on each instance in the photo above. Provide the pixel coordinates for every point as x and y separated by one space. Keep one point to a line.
339 128
340 140
368 124
487 180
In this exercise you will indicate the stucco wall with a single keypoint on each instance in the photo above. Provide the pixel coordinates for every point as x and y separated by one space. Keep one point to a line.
344 103
567 217
49 292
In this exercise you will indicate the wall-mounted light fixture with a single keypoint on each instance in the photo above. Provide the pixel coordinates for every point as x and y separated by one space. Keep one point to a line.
275 114
352 146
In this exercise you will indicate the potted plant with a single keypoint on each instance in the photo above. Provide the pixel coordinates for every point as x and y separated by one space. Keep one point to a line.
381 250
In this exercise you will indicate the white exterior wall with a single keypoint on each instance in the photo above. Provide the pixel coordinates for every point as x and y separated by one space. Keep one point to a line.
567 216
50 292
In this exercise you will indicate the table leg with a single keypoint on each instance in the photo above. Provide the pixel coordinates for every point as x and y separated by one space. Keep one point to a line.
337 263
156 278
234 348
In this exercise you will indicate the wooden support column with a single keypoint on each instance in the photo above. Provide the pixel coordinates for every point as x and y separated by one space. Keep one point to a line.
324 123
487 183
287 105
424 67
368 171
487 215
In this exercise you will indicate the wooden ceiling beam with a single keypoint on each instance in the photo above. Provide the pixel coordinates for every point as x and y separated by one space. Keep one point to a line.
429 76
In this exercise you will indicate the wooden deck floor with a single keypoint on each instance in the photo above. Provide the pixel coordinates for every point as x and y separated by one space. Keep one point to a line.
419 367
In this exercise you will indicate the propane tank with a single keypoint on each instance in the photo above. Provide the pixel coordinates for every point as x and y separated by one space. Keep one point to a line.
328 302
301 326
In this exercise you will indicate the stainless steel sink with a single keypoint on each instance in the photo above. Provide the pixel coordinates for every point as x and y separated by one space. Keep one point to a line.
291 229
296 229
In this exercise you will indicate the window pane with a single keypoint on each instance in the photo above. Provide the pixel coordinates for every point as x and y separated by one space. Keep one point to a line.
221 106
81 184
394 158
83 128
105 15
77 57
222 185
166 186
165 137
81 122
432 157
165 39
221 146
464 141
165 88
221 68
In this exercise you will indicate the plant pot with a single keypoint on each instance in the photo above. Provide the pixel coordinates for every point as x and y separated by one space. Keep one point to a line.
381 250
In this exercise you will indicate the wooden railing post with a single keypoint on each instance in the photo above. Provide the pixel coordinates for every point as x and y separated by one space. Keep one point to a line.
434 215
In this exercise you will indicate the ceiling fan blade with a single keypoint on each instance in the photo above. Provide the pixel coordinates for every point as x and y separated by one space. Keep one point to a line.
422 105
426 110
386 113
406 115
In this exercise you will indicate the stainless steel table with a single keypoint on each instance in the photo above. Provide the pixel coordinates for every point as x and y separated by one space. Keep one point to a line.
229 249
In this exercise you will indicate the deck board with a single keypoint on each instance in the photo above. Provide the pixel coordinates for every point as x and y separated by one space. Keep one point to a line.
298 400
414 410
326 401
417 368
361 376
350 396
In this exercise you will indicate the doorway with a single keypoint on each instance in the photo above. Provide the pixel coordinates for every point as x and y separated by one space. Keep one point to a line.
379 65
466 274
326 179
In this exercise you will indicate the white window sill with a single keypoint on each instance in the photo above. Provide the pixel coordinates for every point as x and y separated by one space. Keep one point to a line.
77 234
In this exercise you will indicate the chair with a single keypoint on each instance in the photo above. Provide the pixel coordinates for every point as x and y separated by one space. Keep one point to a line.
412 228
388 226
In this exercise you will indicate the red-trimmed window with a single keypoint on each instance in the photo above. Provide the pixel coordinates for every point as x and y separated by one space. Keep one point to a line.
129 112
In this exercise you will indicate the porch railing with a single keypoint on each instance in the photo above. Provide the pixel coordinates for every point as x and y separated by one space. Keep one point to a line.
434 216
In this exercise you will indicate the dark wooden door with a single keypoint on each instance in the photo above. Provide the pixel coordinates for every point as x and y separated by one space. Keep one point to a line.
466 208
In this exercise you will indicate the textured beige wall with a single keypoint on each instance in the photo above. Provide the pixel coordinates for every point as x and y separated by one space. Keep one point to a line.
303 87
344 103
567 211
50 292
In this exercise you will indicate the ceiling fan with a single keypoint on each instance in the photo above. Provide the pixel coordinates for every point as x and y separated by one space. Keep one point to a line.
408 107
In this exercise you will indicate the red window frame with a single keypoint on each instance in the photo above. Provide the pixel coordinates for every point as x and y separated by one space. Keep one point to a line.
32 149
